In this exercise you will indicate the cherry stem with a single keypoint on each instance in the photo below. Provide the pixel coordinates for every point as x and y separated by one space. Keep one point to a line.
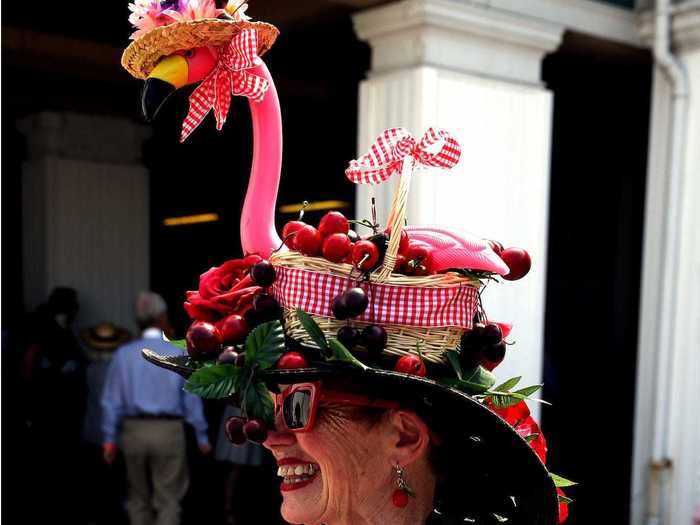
304 205
284 241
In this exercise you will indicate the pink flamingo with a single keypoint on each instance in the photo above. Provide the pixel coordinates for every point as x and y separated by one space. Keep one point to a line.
449 248
258 234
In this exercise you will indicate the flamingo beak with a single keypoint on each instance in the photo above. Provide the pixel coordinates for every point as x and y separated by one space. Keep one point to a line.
170 73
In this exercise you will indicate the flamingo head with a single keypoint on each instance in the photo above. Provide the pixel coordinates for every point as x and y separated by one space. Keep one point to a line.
173 72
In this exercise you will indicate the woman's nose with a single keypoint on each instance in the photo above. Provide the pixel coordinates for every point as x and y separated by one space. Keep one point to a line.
281 437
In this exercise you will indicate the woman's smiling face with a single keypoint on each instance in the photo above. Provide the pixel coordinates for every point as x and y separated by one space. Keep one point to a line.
340 468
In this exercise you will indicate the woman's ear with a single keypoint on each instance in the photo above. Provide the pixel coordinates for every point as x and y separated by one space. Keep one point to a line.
409 437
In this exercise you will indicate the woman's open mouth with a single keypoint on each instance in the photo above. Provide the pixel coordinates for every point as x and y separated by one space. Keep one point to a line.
296 475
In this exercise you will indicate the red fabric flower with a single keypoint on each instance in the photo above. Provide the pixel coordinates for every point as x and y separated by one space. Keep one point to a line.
563 507
518 416
223 290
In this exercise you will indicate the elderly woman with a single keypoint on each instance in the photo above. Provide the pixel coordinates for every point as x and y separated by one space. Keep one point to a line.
386 448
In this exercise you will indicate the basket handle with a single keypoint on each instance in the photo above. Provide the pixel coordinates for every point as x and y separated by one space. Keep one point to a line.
396 219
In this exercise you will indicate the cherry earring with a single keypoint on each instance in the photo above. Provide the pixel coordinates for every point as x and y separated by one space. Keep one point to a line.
400 496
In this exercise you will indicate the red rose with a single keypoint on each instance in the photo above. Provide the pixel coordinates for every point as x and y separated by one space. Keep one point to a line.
223 290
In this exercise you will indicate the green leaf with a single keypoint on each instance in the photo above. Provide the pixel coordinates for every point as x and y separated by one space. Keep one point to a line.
314 331
506 386
560 481
179 343
453 358
341 353
504 399
531 437
564 499
213 382
528 391
259 403
480 376
464 386
264 345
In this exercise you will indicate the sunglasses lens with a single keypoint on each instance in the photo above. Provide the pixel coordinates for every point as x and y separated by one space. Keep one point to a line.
297 409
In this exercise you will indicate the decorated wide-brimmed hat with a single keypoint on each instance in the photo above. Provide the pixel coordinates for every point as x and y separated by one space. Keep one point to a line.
392 311
395 315
164 27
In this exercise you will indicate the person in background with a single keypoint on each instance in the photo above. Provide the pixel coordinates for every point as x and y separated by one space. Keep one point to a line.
53 374
102 486
146 407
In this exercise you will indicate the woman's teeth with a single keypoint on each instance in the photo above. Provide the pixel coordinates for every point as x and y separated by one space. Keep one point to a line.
297 473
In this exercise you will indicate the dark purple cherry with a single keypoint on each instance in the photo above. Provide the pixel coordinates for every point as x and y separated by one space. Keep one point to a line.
356 301
349 336
495 353
340 307
267 307
263 273
374 338
255 430
228 356
353 236
492 334
234 430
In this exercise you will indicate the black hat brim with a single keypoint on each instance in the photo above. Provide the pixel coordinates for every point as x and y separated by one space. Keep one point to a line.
488 472
497 470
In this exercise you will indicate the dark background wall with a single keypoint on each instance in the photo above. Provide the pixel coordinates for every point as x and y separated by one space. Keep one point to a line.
599 144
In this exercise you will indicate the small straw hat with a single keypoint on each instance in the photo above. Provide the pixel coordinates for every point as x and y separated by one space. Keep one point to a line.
143 54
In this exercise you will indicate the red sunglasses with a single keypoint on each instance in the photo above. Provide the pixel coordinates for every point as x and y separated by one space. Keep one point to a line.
298 405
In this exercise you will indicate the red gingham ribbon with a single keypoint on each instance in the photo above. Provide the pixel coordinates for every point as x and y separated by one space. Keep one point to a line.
437 148
228 77
314 292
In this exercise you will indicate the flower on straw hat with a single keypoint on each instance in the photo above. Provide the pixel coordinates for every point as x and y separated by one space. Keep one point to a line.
146 15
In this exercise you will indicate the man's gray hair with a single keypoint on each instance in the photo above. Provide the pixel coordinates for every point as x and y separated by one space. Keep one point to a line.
149 306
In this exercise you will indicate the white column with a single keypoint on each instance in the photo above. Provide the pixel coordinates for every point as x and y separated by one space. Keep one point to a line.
476 72
85 213
668 385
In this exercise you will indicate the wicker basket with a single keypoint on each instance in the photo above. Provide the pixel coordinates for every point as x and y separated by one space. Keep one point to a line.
432 341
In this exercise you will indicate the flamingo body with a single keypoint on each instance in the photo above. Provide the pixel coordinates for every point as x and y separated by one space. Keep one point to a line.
457 249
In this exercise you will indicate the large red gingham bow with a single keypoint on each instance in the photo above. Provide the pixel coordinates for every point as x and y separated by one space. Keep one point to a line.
229 76
437 148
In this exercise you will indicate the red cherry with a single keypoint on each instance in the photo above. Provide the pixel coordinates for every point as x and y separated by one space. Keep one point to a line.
291 360
419 253
518 261
337 247
411 364
333 222
308 241
365 255
400 264
203 340
289 233
234 329
399 498
403 243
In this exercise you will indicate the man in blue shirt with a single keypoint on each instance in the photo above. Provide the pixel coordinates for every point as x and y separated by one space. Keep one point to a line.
145 406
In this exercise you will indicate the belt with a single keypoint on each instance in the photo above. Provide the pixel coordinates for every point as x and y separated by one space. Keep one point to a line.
171 417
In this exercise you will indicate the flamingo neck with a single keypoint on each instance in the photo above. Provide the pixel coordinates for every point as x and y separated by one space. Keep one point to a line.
258 234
